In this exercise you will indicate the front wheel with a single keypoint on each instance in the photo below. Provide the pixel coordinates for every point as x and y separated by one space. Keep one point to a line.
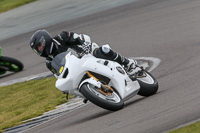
10 64
109 101
148 85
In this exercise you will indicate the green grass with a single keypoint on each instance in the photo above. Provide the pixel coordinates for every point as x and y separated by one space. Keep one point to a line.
6 5
193 128
26 100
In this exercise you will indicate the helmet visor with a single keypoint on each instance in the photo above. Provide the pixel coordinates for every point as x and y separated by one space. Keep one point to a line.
39 48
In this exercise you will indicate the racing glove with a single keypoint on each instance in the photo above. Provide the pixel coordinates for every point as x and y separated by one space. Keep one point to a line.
86 46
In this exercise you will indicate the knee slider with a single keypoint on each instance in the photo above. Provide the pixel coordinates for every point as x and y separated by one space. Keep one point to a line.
106 49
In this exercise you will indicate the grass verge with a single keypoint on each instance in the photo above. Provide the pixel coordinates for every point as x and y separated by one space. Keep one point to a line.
27 100
193 128
6 5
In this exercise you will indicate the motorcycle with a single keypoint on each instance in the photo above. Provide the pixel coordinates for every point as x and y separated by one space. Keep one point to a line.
9 64
103 82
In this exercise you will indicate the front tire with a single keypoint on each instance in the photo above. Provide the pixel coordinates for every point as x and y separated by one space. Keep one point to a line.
112 102
148 85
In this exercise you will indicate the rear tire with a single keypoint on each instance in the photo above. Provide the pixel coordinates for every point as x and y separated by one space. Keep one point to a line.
113 102
11 64
148 85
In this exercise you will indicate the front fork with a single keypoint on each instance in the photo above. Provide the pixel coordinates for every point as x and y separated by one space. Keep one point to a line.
103 88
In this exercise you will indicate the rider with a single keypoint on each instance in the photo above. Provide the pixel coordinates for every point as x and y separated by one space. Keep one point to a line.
46 46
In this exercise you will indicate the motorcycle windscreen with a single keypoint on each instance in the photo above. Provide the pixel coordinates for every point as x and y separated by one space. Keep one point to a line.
58 63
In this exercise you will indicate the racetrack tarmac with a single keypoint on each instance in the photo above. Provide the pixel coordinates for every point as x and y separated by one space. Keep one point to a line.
165 29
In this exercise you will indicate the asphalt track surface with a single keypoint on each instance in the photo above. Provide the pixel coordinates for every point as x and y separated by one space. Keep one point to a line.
165 29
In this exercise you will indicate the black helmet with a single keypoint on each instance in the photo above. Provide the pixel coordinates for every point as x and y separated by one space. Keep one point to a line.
41 42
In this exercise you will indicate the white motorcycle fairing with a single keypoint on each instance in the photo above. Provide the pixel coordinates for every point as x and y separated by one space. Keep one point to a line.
103 82
76 68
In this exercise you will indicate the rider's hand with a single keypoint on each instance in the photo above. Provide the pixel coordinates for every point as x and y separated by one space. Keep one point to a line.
86 47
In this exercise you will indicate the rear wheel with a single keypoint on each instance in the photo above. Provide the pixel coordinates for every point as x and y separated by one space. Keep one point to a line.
110 101
148 85
10 64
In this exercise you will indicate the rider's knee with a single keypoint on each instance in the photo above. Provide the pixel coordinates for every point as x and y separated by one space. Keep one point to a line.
106 49
104 52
